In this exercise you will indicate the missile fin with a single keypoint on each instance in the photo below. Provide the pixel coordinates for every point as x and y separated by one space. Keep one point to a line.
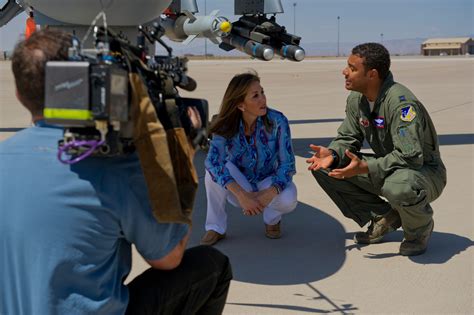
191 16
189 39
214 40
226 47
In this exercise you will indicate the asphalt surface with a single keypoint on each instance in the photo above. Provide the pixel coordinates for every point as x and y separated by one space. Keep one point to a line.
316 267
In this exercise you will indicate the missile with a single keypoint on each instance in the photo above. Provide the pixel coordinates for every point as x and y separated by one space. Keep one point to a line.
187 26
248 46
291 52
261 38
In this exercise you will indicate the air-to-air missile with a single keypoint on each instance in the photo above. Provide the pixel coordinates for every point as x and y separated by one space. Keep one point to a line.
183 26
253 34
261 38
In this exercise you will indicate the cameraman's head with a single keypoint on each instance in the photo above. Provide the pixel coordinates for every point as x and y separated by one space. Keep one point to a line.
28 65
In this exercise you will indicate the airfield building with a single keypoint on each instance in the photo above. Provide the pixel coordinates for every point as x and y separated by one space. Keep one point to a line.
448 46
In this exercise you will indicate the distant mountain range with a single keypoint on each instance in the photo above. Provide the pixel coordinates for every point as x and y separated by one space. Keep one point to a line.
395 47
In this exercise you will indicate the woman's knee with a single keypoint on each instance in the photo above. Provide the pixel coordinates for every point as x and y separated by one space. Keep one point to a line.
288 199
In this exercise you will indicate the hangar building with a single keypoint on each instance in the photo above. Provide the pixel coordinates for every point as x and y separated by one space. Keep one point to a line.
448 46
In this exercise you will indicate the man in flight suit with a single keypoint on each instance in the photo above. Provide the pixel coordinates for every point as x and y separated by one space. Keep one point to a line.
405 168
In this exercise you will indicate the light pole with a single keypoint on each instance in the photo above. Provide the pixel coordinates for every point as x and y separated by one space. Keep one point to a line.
338 22
205 39
294 18
381 38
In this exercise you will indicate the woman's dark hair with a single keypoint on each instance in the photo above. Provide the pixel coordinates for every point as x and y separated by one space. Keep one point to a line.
375 57
228 119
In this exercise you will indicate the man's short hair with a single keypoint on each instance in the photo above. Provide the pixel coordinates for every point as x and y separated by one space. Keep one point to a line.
28 65
376 56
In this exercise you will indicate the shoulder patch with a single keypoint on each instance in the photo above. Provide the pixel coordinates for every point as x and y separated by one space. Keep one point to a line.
402 98
408 113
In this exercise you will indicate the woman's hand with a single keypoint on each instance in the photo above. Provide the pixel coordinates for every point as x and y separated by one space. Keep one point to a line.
266 196
250 203
247 200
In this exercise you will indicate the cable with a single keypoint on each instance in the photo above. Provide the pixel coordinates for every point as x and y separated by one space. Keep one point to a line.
92 144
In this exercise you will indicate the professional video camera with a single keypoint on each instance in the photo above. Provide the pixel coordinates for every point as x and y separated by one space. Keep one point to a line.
89 94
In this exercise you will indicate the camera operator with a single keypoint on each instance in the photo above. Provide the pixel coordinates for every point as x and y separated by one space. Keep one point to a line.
66 230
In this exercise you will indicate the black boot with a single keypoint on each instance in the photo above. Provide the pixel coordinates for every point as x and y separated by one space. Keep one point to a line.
418 245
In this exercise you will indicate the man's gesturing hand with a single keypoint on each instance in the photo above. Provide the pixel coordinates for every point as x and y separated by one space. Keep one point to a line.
322 158
355 167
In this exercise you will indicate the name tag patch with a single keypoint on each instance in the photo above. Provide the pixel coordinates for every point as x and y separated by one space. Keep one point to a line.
379 122
408 113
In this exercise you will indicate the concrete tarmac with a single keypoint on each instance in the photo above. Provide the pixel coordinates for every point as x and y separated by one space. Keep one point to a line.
316 267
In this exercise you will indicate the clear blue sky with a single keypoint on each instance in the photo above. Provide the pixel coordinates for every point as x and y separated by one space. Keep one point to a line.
361 20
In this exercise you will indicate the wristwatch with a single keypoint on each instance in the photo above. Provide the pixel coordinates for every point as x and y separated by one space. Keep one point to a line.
335 158
278 189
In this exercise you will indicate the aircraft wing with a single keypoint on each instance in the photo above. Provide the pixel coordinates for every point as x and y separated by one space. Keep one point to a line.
9 10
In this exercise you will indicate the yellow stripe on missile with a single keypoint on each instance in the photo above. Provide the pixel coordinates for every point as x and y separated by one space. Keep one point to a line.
61 113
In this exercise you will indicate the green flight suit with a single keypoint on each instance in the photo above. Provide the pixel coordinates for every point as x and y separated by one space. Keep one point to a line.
405 168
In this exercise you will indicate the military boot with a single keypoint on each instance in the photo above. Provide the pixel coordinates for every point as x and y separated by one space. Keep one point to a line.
418 245
378 228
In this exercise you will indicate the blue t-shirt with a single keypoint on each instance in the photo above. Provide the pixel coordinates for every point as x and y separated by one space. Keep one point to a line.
66 231
265 154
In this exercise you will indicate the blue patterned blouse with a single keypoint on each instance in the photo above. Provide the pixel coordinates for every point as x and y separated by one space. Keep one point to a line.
265 154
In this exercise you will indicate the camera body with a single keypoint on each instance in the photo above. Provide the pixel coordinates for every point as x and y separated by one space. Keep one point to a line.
90 97
78 92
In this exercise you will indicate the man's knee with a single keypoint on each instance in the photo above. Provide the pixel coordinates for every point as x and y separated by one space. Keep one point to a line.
404 189
319 173
322 177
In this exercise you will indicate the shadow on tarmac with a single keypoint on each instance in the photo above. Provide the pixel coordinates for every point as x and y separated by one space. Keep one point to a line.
441 248
315 121
312 243
301 309
312 246
301 146
11 129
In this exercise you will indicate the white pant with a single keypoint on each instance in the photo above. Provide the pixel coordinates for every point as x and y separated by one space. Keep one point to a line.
217 196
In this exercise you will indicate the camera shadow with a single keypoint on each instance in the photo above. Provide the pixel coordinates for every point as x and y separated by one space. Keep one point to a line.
312 246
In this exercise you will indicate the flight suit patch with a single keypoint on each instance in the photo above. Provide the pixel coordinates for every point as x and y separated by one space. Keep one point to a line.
406 140
364 122
379 122
408 113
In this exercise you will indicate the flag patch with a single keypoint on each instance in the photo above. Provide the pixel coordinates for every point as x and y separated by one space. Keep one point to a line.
379 122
